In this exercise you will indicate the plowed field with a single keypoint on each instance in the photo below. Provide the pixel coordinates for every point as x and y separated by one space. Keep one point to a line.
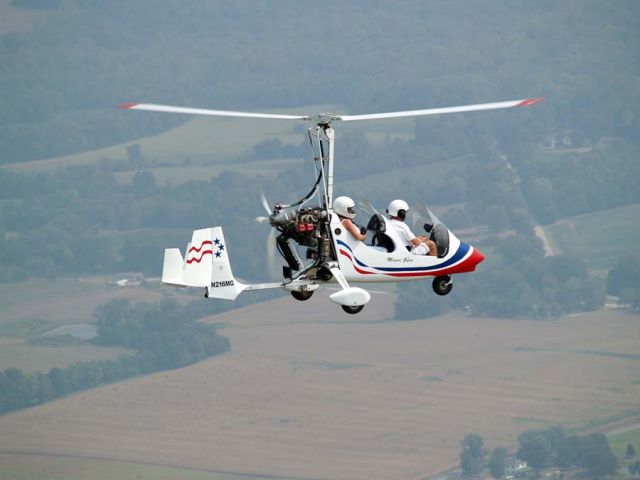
308 392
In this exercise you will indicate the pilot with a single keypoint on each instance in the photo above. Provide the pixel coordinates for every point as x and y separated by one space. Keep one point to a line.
345 207
420 245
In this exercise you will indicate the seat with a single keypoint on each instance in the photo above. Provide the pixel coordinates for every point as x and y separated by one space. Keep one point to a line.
378 225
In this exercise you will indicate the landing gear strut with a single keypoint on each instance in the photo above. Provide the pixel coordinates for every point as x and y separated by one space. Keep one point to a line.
352 310
442 285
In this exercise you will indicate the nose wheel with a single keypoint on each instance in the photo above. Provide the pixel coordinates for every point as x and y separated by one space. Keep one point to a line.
442 285
352 310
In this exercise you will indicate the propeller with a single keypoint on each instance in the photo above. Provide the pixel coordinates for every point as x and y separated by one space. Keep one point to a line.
265 203
272 267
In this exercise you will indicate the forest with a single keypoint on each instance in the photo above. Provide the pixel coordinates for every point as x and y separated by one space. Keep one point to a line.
574 154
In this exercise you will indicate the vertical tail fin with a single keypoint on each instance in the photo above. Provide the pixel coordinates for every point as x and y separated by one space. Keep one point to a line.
206 264
197 262
223 284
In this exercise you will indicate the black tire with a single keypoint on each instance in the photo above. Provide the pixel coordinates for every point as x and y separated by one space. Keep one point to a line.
352 310
301 295
442 285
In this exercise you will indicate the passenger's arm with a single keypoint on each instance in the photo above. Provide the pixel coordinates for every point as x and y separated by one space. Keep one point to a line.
353 230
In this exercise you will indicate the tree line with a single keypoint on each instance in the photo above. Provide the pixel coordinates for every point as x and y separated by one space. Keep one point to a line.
88 56
163 335
543 448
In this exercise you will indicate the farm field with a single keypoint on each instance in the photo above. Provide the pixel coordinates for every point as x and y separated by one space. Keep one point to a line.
64 301
600 238
47 467
37 307
386 185
178 175
620 440
18 353
202 148
310 392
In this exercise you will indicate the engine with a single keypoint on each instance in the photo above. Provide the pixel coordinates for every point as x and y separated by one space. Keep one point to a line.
307 226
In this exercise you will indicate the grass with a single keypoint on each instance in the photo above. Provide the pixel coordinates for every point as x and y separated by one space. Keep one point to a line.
19 353
388 184
600 238
619 441
52 467
25 328
598 422
177 175
599 353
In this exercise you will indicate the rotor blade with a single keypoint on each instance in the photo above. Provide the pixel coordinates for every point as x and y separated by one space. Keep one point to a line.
438 111
202 111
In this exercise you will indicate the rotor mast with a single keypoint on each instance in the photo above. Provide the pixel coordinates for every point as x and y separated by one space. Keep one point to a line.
330 135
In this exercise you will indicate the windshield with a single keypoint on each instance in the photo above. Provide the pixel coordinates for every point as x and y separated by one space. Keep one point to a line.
425 219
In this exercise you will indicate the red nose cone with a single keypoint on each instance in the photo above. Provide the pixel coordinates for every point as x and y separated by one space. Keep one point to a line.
475 258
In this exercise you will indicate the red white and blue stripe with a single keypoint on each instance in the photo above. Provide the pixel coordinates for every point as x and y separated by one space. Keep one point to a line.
463 260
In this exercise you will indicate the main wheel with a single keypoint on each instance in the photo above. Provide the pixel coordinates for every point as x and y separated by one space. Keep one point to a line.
301 295
442 285
352 310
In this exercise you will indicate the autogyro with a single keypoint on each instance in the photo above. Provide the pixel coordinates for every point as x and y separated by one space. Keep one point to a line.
332 254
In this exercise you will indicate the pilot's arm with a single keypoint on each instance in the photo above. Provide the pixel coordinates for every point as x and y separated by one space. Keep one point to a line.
353 229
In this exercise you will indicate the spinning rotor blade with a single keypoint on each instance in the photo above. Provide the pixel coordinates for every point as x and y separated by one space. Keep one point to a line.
202 111
438 111
327 118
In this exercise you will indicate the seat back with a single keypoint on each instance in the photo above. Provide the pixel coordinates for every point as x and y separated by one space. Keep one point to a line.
378 225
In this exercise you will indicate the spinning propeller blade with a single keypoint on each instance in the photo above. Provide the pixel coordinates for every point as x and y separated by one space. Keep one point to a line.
265 204
275 270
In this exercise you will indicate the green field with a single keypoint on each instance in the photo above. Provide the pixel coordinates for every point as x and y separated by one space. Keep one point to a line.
178 175
202 148
200 140
18 353
388 184
600 238
619 441
33 308
52 467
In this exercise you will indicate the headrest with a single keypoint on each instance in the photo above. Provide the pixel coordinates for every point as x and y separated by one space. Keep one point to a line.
377 223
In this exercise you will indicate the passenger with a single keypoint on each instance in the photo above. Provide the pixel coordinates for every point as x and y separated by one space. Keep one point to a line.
345 207
421 245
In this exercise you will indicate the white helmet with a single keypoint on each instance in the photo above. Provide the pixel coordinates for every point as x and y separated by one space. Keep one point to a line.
397 205
345 207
